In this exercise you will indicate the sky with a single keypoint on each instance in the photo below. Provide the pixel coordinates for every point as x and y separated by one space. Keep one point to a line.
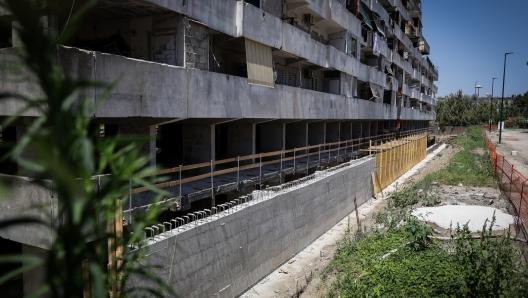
468 39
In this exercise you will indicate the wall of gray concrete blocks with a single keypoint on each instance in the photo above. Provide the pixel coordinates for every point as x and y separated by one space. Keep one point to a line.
197 46
225 256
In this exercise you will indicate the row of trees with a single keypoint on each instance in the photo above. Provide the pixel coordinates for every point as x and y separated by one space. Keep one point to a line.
459 109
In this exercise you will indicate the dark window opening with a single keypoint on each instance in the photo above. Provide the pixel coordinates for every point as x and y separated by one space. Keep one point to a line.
387 97
253 2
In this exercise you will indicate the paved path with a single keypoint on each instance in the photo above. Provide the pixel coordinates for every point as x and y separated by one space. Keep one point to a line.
513 140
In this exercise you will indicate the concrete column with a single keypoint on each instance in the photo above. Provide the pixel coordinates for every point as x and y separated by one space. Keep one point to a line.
272 136
198 144
35 278
296 135
148 148
241 139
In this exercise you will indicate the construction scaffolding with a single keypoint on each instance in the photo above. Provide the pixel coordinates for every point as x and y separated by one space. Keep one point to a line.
397 157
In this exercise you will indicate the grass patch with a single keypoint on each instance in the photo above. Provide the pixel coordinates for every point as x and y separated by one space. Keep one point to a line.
460 267
402 258
467 166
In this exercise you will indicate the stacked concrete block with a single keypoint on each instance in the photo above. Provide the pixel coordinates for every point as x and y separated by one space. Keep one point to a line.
225 256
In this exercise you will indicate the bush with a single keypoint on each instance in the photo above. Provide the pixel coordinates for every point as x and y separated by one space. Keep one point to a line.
511 123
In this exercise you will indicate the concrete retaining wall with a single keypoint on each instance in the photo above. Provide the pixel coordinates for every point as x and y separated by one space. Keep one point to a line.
224 256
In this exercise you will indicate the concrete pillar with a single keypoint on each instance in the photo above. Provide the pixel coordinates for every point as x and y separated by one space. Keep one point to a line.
241 139
198 144
272 137
296 135
35 278
147 131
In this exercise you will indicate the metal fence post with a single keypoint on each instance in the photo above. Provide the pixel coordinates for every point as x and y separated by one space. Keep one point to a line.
280 174
338 146
238 172
212 185
319 154
308 161
329 152
180 181
294 161
502 169
260 171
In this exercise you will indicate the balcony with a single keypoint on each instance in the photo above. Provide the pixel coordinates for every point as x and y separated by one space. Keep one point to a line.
424 47
416 114
161 92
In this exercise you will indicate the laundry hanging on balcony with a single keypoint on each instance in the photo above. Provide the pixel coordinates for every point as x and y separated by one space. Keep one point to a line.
259 64
376 44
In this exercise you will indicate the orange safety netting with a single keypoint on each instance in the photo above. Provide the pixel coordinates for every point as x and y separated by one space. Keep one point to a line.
514 184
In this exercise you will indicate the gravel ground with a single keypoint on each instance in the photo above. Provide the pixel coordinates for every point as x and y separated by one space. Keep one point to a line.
475 216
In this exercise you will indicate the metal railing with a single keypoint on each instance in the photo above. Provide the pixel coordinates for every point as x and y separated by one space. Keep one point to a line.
322 151
193 219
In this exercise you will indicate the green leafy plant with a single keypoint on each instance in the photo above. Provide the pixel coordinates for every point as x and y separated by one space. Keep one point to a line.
64 153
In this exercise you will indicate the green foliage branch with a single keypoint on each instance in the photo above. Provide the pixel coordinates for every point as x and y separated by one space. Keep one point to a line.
64 153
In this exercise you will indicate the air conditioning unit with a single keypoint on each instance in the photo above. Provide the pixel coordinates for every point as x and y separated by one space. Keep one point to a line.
309 19
309 74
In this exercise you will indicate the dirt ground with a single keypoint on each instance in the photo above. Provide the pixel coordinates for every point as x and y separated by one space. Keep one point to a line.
299 276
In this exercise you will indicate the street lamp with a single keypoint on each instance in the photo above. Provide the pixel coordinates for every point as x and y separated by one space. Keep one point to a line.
502 101
491 101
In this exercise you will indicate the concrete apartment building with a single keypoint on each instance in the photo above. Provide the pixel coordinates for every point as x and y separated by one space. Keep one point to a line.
219 79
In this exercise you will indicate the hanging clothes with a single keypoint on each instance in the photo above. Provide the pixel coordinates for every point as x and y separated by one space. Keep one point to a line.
376 44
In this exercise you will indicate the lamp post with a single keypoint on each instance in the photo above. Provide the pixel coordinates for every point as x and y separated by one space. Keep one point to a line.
502 101
491 101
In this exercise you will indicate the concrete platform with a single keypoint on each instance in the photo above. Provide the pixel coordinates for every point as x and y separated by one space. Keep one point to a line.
513 140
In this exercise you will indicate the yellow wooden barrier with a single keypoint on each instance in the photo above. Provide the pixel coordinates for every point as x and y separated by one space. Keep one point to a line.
399 157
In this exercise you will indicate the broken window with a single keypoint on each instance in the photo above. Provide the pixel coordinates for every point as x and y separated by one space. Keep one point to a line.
351 48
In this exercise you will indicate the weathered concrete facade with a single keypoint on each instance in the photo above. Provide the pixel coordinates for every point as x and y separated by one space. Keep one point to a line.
224 256
187 74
